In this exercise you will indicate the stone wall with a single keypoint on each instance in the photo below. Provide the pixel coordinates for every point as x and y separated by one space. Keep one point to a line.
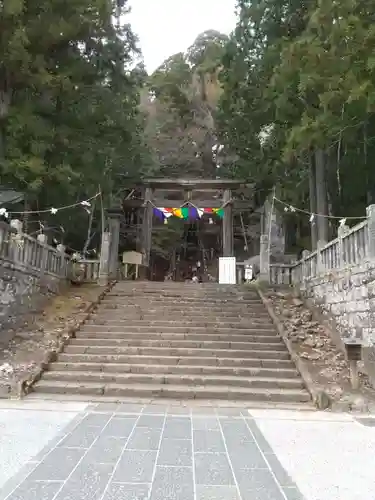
23 291
346 297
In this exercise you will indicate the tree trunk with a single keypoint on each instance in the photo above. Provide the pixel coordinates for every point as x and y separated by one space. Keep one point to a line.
321 195
313 207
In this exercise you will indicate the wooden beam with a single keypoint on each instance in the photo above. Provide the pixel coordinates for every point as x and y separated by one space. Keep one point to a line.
199 184
218 203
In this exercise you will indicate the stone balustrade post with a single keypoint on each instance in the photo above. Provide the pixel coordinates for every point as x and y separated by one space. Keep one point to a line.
104 259
62 268
17 242
264 259
42 238
371 231
319 258
341 232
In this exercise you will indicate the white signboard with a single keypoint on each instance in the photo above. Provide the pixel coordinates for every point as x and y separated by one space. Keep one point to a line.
248 273
132 258
227 270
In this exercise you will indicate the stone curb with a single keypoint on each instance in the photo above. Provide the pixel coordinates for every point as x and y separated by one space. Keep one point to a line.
21 388
319 396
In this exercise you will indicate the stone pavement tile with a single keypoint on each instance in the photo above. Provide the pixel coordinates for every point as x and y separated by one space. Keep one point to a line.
246 456
155 409
81 437
173 483
123 491
230 412
35 490
258 484
179 410
203 411
105 407
213 468
135 467
120 427
88 481
106 449
154 421
177 428
217 493
271 493
254 479
209 423
208 441
57 465
129 408
259 437
144 438
281 475
96 419
293 493
175 452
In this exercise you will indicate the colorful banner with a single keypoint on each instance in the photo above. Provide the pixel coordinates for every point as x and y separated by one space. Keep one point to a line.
187 212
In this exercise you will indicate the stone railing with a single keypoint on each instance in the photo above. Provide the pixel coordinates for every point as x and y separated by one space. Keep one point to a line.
90 270
351 247
25 251
339 279
33 254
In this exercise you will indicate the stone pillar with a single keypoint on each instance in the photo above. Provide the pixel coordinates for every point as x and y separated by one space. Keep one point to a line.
320 267
147 228
264 259
62 268
104 259
17 246
304 268
341 231
371 231
17 225
114 228
42 238
227 225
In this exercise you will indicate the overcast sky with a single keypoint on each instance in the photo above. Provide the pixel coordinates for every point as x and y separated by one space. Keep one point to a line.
165 27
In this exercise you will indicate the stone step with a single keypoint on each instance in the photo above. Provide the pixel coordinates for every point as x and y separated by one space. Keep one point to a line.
197 337
177 297
192 361
168 391
169 351
236 322
171 379
180 304
177 329
158 369
146 315
200 304
182 322
177 344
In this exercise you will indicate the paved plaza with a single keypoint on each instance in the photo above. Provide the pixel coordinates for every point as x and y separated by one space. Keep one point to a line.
76 451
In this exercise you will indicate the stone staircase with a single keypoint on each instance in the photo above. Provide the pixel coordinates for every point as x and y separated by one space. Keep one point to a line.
179 341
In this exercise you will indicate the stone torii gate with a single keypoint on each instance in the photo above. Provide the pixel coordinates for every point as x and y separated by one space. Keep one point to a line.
203 193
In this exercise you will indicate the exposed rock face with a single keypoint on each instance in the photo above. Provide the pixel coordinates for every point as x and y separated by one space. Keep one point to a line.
312 342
